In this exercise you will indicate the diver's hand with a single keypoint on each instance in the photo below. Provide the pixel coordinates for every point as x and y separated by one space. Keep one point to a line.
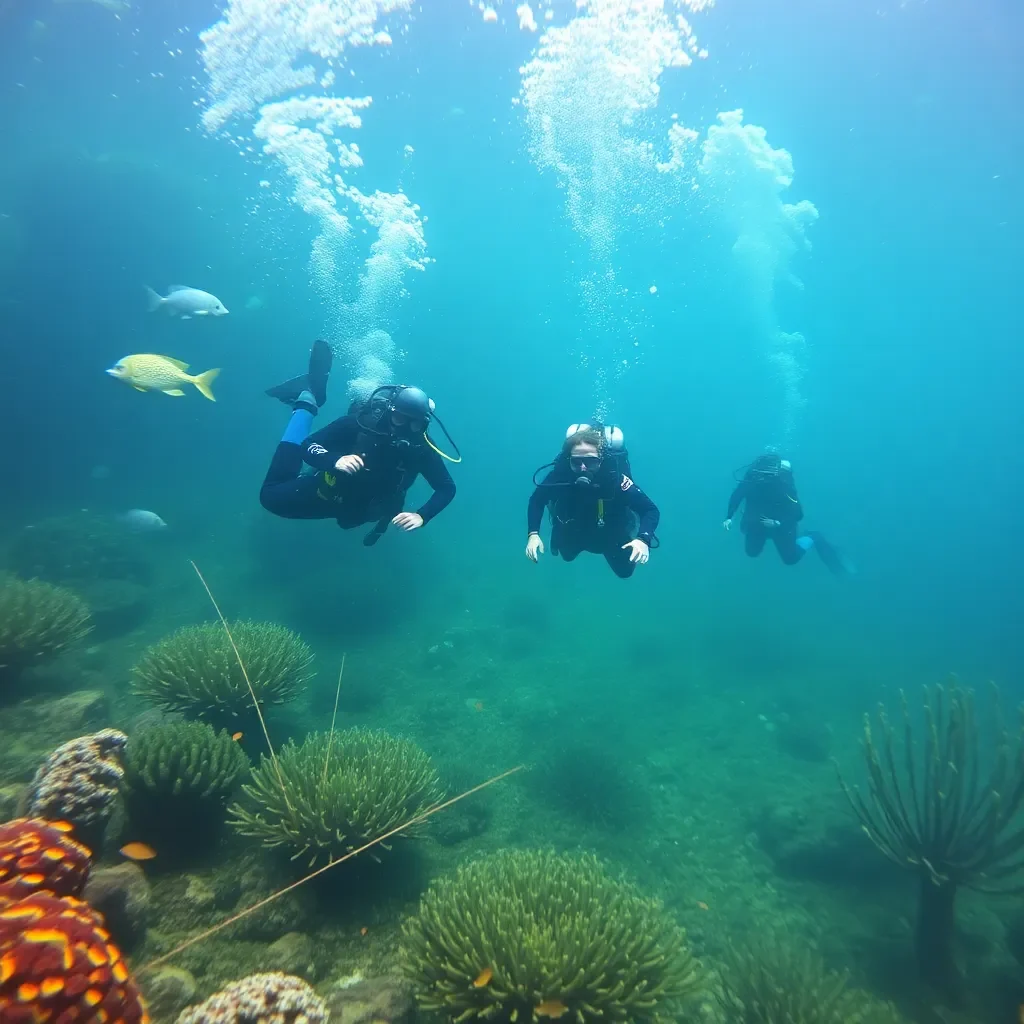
640 553
769 524
534 547
727 525
349 464
408 521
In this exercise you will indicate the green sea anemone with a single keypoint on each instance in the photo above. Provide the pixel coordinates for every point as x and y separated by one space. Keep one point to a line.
195 670
767 982
336 793
178 778
521 935
37 622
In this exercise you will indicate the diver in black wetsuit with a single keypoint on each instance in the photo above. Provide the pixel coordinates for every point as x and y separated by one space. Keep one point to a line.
772 511
366 461
593 503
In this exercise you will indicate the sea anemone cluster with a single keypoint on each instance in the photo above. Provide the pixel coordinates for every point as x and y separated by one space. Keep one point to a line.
196 670
57 962
38 621
335 792
522 935
179 777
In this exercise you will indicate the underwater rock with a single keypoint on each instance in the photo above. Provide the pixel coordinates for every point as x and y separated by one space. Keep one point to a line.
168 990
122 895
293 953
199 894
383 1000
803 737
117 606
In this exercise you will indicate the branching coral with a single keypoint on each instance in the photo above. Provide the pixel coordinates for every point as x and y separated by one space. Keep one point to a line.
37 622
338 793
521 935
195 670
950 813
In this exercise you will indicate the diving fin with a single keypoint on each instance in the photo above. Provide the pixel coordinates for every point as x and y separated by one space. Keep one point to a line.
320 359
315 380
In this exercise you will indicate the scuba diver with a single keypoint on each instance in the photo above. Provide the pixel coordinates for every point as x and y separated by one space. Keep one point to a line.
772 511
593 502
366 461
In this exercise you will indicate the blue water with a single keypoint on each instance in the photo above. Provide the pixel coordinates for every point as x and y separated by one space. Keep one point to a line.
905 128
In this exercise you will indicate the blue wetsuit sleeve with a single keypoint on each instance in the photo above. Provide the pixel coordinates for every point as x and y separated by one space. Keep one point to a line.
735 498
645 509
322 449
435 472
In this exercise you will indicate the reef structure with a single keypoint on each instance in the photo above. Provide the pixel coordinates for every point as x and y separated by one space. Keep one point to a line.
79 782
273 998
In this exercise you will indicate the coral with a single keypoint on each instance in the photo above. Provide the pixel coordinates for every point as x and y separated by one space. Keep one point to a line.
768 982
178 778
57 964
950 815
79 548
195 670
520 935
273 998
37 622
40 855
79 782
338 793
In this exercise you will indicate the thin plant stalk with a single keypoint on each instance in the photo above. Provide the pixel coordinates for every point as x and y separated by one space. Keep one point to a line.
334 718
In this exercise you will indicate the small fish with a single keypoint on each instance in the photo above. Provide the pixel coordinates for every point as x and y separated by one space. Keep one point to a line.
363 930
554 1008
483 978
139 520
138 851
478 706
701 905
186 302
147 372
236 736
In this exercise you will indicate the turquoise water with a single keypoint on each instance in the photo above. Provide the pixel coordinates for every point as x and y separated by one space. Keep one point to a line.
563 277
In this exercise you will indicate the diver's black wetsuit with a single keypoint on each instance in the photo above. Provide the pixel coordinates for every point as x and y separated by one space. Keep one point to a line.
594 518
375 493
774 498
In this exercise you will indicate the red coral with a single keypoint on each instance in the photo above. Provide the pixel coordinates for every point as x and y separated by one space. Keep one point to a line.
37 855
58 966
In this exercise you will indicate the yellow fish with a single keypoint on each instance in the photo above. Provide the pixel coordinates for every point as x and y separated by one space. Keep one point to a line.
161 373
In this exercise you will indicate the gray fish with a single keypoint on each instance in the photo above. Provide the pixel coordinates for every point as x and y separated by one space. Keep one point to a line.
186 302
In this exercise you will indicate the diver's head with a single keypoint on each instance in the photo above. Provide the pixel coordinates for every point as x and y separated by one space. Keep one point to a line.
411 410
768 466
584 449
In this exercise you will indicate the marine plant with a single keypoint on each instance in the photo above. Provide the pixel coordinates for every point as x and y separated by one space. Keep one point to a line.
335 792
519 935
196 671
949 811
178 778
767 981
37 622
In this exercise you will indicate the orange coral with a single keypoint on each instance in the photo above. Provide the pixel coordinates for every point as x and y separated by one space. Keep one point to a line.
37 855
58 966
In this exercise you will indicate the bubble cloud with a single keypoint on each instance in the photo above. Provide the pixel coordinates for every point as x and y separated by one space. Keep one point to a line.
259 58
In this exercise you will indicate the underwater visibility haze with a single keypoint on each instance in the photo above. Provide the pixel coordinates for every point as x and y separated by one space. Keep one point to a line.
661 441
